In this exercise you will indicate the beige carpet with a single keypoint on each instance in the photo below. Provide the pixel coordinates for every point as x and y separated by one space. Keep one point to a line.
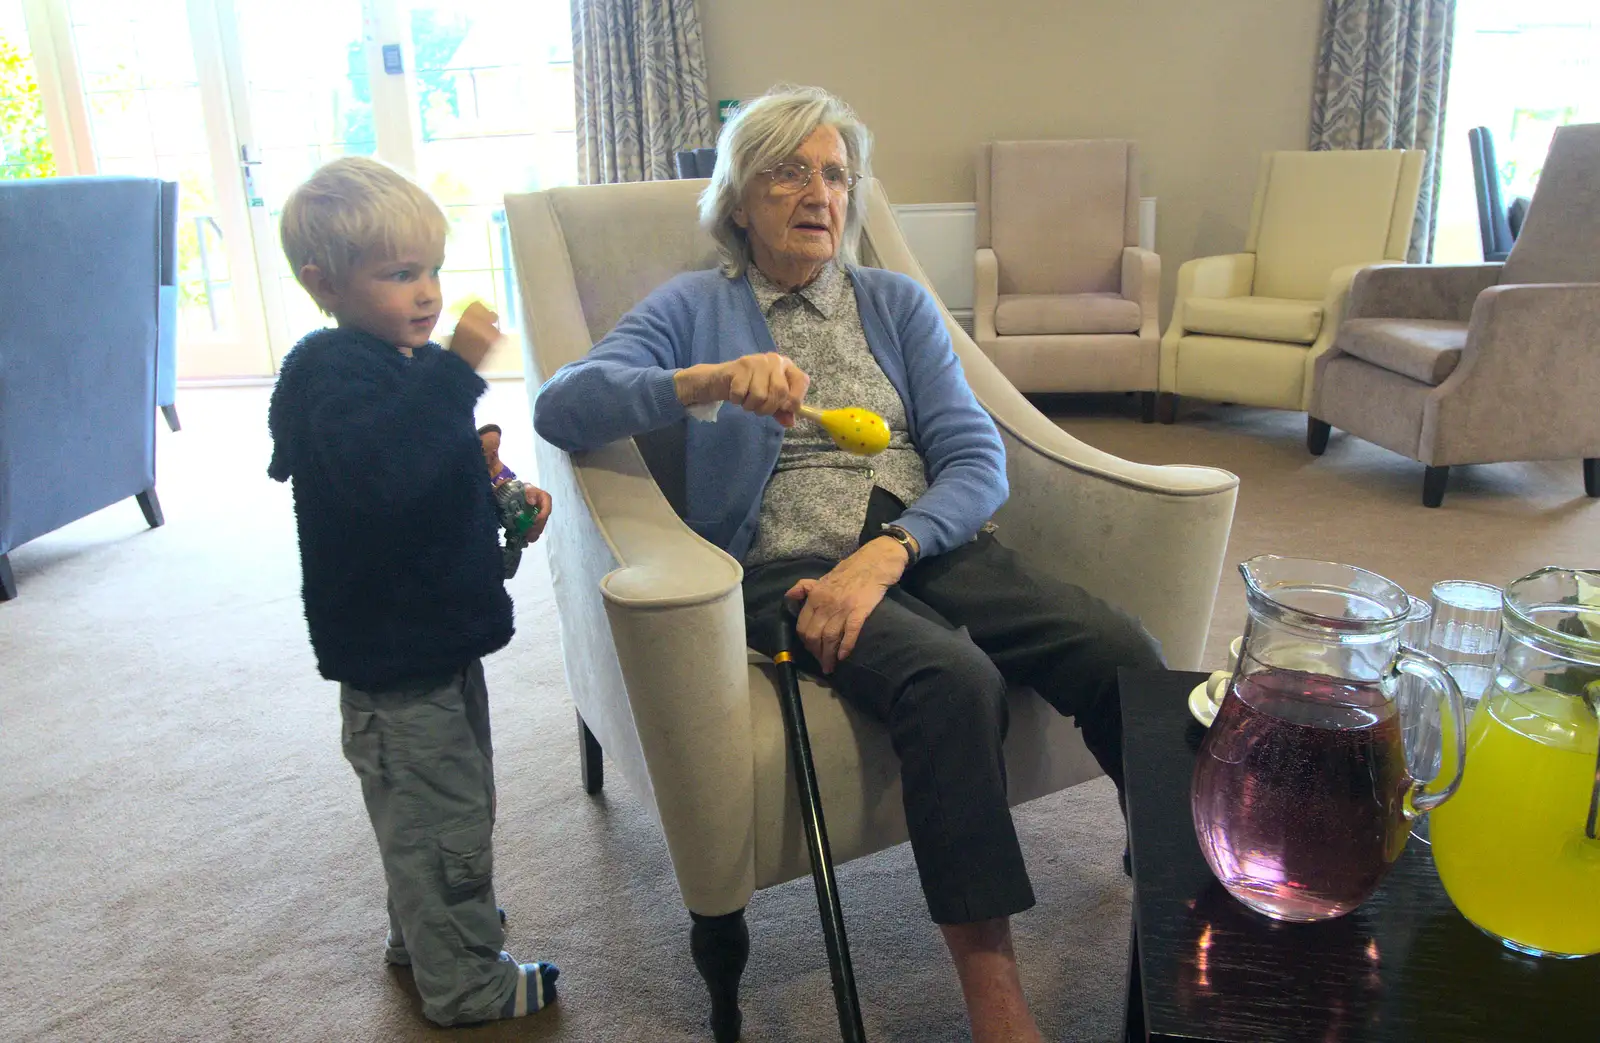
186 856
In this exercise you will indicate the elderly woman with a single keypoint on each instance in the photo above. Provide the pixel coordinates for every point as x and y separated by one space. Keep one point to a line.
911 604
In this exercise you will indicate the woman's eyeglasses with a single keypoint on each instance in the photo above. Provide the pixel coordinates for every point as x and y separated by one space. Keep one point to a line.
794 176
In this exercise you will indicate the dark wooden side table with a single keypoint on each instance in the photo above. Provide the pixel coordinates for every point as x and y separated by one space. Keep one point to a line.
1404 966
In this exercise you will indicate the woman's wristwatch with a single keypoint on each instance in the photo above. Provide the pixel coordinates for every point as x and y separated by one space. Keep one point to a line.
904 538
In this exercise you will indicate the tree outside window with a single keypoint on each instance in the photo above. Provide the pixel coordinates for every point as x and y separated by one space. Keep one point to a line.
24 138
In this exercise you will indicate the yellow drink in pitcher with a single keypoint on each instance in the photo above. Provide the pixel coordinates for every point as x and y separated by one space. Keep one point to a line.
1510 845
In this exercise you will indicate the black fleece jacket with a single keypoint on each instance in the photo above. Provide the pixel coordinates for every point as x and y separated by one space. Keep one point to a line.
399 534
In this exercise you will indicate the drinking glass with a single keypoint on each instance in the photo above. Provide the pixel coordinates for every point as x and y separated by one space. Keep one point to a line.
1466 634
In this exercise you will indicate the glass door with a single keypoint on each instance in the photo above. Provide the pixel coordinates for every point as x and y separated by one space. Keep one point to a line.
241 100
494 104
300 98
148 116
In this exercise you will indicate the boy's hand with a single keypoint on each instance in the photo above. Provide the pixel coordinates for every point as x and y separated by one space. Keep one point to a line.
475 334
540 499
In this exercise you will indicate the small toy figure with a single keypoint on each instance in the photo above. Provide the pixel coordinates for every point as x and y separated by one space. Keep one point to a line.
489 435
517 501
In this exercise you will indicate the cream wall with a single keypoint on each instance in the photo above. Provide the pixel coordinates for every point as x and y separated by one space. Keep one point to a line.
1203 88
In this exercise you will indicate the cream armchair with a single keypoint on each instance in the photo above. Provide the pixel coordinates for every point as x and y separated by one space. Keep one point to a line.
1249 327
1065 300
651 616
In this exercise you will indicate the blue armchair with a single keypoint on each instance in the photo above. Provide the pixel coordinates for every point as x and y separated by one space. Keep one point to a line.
167 321
80 304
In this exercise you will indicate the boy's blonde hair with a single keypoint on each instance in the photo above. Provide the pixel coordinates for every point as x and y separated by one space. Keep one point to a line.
354 208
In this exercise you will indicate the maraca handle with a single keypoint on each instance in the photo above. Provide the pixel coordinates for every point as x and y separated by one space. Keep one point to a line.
810 413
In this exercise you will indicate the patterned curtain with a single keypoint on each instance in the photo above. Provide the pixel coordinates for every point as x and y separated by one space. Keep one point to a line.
1382 76
639 76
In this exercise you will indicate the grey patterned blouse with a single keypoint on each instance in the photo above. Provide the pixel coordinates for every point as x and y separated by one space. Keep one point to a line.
815 503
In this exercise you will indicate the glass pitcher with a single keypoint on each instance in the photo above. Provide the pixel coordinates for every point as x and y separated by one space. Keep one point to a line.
1516 848
1302 797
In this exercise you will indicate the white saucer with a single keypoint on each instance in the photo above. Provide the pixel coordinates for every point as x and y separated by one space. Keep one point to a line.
1201 704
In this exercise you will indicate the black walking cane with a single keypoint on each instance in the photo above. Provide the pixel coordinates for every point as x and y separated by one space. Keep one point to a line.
794 727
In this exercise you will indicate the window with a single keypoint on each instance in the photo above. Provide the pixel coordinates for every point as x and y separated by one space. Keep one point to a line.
1522 70
24 138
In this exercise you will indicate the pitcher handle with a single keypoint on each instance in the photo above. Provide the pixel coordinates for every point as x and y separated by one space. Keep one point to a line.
1425 667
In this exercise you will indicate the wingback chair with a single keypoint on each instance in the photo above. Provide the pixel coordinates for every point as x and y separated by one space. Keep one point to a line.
1249 327
652 619
1482 363
1065 299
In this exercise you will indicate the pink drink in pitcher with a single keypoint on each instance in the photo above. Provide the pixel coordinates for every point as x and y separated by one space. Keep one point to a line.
1301 797
1299 805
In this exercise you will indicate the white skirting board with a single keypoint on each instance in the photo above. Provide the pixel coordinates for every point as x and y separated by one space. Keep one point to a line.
943 236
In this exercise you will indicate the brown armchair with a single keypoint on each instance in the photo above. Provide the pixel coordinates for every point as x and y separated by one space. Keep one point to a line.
1481 363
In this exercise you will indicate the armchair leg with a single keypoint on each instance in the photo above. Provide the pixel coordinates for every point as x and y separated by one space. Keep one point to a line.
8 582
1147 407
1591 476
171 413
589 760
151 508
1317 432
1167 407
721 948
1433 483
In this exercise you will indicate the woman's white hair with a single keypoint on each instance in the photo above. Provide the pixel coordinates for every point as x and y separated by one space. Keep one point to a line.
767 131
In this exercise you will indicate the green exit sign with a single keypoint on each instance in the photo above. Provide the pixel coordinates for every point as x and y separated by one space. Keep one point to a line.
725 109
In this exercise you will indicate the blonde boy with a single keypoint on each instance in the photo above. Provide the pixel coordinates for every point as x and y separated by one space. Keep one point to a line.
401 567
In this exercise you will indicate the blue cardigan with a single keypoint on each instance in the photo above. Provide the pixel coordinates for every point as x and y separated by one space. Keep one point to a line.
624 387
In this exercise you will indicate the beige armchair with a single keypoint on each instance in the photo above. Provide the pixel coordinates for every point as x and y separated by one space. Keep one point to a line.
1249 327
651 616
1482 363
1065 300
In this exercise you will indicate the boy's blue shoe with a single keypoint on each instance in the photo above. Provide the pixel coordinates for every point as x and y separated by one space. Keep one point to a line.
536 989
394 950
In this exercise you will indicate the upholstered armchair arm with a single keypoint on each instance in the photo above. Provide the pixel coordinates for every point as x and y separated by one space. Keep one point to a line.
1334 301
986 295
1224 275
1419 291
1527 381
1149 539
653 617
1141 284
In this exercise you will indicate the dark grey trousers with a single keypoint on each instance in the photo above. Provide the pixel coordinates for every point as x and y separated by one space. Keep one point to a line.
427 773
933 663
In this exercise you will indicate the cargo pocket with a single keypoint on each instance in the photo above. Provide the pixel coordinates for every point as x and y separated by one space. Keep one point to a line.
467 858
358 735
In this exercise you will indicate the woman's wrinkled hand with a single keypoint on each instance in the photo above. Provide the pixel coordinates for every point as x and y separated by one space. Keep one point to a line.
837 605
767 385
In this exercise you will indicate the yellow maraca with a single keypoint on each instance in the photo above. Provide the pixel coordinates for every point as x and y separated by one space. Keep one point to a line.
855 430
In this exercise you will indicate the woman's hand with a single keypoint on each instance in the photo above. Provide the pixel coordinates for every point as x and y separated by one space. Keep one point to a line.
540 500
838 604
767 385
